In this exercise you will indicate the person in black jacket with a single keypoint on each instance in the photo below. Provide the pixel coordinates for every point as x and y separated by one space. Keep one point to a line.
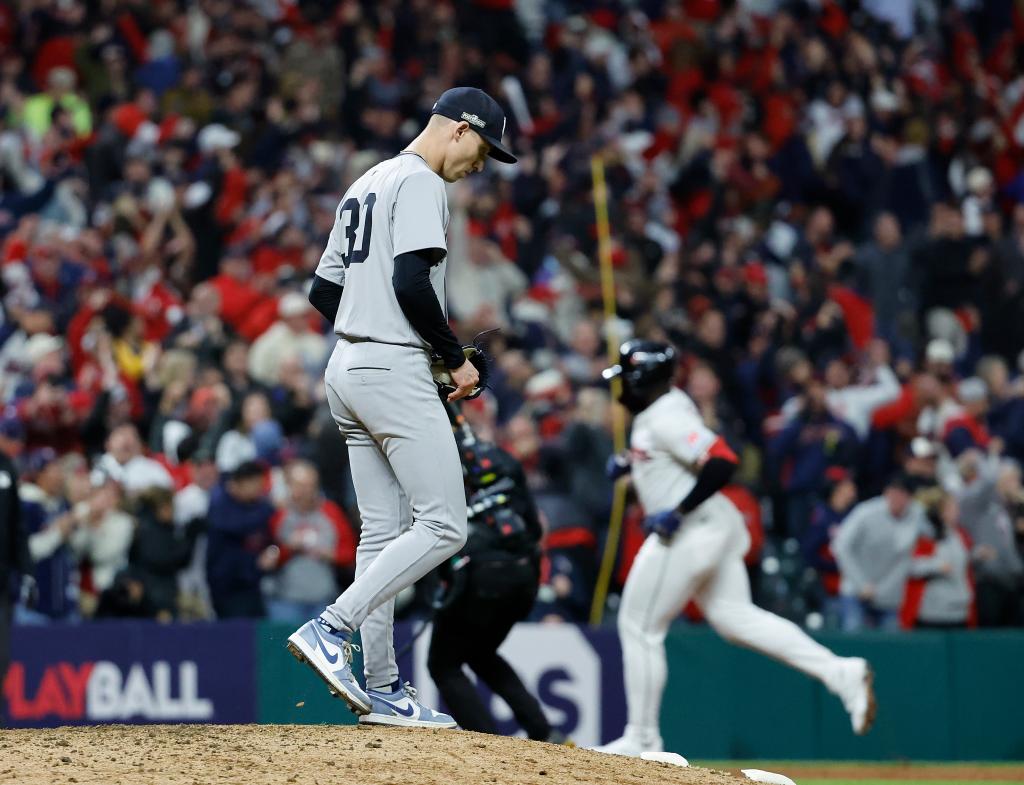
15 564
493 584
239 548
148 587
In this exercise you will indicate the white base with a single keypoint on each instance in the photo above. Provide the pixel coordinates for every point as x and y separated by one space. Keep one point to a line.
770 777
665 757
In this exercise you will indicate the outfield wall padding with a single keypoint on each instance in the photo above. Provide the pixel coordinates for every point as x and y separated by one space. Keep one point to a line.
942 695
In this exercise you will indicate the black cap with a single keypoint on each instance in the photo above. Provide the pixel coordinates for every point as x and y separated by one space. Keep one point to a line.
481 112
246 470
902 481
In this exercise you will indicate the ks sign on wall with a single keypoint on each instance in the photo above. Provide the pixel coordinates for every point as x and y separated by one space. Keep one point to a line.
575 674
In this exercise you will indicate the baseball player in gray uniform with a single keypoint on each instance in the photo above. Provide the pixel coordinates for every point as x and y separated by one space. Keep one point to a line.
381 281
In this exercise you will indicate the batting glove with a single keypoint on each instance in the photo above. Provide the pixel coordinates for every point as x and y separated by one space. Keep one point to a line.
664 523
618 465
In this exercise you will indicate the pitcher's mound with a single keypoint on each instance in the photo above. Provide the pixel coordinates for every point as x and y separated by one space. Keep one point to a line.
314 754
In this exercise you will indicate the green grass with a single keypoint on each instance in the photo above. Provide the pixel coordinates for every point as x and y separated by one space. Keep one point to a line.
805 781
792 768
806 764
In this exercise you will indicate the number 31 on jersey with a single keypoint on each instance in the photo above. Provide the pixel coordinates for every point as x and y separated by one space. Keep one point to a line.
357 248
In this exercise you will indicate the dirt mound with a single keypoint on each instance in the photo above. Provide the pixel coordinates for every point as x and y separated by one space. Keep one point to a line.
315 754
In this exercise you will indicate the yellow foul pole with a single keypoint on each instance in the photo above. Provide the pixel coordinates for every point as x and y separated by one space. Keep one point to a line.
604 249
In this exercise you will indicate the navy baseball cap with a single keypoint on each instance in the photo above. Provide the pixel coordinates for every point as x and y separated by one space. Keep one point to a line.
483 114
39 459
10 424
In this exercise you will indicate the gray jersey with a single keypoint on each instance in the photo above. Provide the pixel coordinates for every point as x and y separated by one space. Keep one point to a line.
397 207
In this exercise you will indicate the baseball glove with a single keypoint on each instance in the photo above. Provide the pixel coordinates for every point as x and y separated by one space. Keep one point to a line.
443 378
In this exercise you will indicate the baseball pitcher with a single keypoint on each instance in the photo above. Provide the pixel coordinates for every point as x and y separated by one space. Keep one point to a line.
381 281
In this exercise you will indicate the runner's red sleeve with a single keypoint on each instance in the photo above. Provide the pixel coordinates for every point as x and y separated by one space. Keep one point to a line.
722 450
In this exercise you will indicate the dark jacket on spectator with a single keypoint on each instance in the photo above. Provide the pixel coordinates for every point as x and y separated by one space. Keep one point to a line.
816 544
1006 420
807 447
53 572
14 205
237 534
946 279
159 552
884 277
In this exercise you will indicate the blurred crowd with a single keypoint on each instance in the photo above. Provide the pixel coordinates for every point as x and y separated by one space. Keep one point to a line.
820 203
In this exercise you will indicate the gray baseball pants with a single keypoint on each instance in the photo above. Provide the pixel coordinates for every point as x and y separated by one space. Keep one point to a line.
408 481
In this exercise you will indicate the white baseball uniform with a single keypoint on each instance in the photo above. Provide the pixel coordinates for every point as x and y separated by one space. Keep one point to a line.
405 464
702 561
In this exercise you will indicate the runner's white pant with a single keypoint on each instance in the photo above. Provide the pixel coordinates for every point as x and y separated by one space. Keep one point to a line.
704 562
408 481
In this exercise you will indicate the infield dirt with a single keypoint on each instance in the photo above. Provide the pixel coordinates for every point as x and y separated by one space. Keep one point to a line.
313 754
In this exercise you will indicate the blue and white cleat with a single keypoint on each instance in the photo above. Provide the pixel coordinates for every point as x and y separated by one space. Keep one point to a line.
400 707
329 653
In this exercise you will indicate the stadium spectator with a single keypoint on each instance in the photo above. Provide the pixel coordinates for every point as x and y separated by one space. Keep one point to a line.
289 336
48 522
990 503
101 539
234 371
191 507
873 550
482 288
291 397
855 404
239 549
126 462
23 352
38 110
12 434
570 540
803 452
317 548
963 427
159 552
1006 404
201 329
238 445
940 590
883 266
704 388
816 543
585 447
52 410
